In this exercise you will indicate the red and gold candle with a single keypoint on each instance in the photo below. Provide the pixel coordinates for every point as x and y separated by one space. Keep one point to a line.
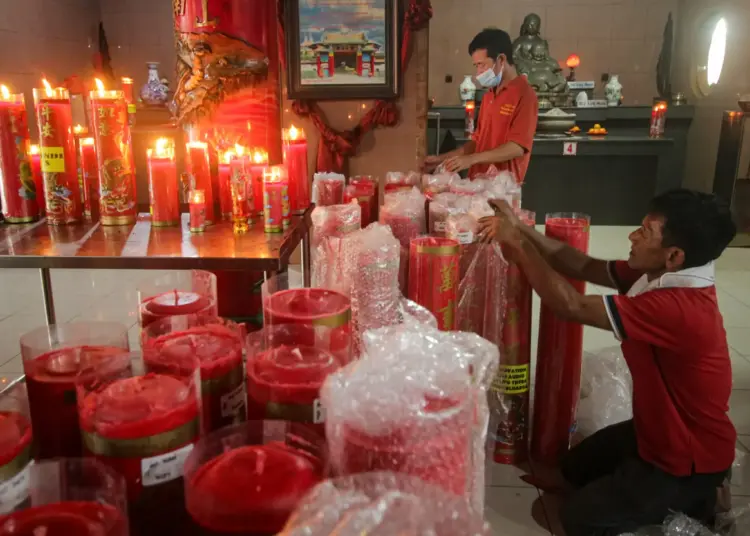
259 163
433 277
117 197
58 155
126 84
225 180
275 200
178 293
295 160
36 170
199 169
197 211
658 119
162 184
18 193
90 174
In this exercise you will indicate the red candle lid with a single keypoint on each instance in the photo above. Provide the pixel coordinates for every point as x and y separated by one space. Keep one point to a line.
294 365
65 363
65 519
308 304
210 344
177 302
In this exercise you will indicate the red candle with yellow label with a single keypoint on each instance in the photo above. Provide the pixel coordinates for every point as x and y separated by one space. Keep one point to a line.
90 173
199 170
197 211
162 184
275 201
433 277
18 194
36 171
63 200
225 183
258 164
295 159
117 198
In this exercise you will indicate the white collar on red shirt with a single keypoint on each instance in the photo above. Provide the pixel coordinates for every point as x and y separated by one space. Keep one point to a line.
698 277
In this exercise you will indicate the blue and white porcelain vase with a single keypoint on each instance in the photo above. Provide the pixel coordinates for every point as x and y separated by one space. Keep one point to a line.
154 92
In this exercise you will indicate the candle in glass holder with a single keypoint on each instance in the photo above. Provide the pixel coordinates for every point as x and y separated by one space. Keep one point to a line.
117 198
199 170
295 160
126 84
259 163
90 174
658 119
197 211
225 180
469 122
18 194
58 155
242 200
275 200
162 184
36 171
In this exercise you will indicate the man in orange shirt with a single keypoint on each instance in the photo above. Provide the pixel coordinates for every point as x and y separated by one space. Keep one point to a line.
507 117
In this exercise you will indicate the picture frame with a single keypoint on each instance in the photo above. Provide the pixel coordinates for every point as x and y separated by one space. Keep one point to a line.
344 50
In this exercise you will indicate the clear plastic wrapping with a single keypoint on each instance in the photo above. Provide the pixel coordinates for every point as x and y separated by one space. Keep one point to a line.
397 180
469 187
328 189
331 226
438 183
440 207
383 504
733 523
415 403
404 213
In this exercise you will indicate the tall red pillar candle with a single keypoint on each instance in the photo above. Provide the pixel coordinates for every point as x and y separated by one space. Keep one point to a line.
200 175
182 292
249 478
69 497
15 447
54 119
18 194
558 369
295 159
114 150
90 173
225 183
163 187
197 211
275 201
258 165
126 84
36 171
54 358
433 277
143 425
217 344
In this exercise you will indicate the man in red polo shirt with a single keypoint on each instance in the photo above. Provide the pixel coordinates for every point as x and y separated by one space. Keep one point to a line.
679 446
507 116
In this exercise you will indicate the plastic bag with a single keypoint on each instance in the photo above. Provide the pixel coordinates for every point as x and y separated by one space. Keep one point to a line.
606 391
328 189
396 181
383 504
404 213
440 207
733 523
415 403
438 183
331 228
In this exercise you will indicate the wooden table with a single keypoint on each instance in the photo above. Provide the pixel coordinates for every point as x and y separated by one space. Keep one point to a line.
140 246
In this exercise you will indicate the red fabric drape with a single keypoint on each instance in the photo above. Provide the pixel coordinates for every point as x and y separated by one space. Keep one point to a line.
337 146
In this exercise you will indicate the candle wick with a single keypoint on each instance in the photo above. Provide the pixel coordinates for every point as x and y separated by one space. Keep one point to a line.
176 297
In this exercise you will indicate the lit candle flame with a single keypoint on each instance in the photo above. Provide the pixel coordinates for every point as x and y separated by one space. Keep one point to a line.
239 150
259 157
163 148
293 133
4 92
197 145
77 129
86 141
48 88
34 149
227 156
99 86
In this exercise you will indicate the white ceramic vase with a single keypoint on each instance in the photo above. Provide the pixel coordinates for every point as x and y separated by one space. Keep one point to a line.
467 89
613 90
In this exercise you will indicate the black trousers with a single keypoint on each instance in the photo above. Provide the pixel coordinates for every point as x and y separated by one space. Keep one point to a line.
617 492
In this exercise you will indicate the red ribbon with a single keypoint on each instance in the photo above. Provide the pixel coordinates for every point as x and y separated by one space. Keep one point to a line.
336 146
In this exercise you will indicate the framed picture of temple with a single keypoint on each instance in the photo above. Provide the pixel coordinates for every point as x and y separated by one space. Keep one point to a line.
342 49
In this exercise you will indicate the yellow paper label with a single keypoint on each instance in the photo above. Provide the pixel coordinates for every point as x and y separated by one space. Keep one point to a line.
53 160
131 108
511 379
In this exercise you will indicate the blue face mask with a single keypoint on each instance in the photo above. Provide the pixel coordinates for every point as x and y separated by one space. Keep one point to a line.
489 79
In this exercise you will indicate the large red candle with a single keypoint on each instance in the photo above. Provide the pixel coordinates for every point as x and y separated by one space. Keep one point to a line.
62 193
200 176
558 369
248 479
162 184
36 171
54 358
217 345
114 151
433 277
18 194
276 217
178 293
295 159
90 173
258 165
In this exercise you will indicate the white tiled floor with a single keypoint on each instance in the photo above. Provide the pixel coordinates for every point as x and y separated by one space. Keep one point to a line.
513 508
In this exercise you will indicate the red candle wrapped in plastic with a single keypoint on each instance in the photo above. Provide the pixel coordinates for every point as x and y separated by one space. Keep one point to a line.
18 194
162 184
90 173
248 479
369 183
276 214
433 277
331 228
363 193
62 193
199 170
258 166
328 189
217 344
558 369
311 308
295 159
179 293
396 181
404 213
143 426
438 184
36 171
54 358
117 197
439 209
70 497
509 393
15 447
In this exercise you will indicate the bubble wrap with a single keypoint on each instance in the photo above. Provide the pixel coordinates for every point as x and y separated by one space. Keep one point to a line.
504 186
469 187
331 226
404 213
415 403
383 504
606 391
396 180
440 207
733 523
438 183
328 189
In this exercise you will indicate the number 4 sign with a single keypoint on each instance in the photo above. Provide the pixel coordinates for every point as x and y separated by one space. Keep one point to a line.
570 148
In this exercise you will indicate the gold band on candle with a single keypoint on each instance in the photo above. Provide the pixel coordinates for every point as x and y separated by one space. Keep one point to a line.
334 321
228 381
290 412
165 223
142 447
117 220
440 250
